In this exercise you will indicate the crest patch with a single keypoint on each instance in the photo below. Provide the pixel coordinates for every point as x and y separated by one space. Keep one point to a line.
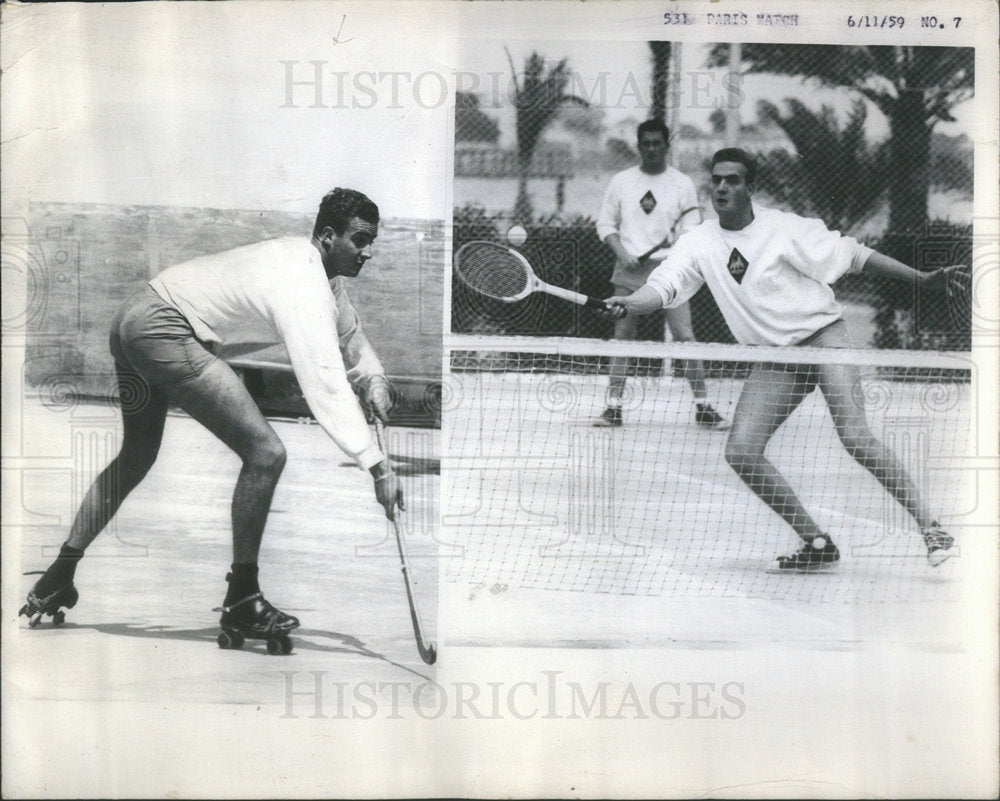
648 202
737 265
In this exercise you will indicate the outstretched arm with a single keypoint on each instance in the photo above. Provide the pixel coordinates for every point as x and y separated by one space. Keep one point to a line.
644 300
888 267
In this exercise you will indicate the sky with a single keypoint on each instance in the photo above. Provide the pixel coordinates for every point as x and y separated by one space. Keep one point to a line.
139 104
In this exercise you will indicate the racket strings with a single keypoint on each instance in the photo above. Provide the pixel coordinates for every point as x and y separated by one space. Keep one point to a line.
959 294
492 270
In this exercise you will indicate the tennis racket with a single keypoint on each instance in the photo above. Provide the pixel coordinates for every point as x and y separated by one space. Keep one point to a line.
669 237
959 291
501 273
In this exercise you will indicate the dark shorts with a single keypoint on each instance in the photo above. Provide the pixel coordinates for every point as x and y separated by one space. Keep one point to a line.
152 338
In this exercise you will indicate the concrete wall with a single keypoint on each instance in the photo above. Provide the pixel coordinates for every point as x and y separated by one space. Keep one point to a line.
80 262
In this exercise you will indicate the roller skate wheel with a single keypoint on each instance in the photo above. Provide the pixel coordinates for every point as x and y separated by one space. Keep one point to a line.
237 640
35 620
58 618
286 645
224 640
273 647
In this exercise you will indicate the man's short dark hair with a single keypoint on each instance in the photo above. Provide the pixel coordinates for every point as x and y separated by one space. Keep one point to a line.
340 206
735 154
653 126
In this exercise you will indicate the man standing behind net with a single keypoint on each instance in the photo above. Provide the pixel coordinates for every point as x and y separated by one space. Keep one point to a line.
645 209
163 340
770 272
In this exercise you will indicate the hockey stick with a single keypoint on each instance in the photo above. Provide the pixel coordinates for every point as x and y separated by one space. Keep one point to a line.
427 651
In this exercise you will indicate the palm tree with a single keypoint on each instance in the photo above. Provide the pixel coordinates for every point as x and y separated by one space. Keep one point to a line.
538 96
914 87
835 175
471 123
660 53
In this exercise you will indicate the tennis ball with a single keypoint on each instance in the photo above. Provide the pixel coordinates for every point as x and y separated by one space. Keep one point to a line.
517 236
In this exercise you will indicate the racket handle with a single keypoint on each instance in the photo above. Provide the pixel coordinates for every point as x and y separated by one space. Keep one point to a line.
595 303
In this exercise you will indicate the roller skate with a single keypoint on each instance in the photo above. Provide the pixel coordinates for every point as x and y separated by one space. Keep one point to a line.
255 619
41 602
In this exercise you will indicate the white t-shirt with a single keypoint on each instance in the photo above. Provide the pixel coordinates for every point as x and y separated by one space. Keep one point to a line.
771 280
644 209
277 292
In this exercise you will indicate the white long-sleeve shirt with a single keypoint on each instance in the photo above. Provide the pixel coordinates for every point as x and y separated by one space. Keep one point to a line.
277 292
645 209
771 280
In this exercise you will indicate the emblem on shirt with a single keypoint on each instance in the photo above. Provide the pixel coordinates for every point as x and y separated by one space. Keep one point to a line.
737 265
648 202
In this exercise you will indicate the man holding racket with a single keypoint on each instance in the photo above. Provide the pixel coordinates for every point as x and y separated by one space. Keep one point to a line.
163 341
770 273
645 209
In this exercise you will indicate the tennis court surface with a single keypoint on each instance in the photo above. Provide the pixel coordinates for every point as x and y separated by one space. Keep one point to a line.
145 628
612 537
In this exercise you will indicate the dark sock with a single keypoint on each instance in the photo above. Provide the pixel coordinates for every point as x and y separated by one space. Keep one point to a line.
242 582
60 572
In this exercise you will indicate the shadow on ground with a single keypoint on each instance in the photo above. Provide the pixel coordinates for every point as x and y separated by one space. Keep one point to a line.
304 640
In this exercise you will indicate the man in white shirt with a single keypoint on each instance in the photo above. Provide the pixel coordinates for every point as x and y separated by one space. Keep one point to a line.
163 339
770 273
645 209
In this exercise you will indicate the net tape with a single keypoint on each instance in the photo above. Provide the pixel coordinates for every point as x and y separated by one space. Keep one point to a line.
708 351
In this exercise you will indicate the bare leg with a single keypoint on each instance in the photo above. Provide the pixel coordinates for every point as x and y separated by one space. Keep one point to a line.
681 329
769 396
218 400
144 410
628 329
837 382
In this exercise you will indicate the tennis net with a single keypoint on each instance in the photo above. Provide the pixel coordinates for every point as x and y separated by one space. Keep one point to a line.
540 498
